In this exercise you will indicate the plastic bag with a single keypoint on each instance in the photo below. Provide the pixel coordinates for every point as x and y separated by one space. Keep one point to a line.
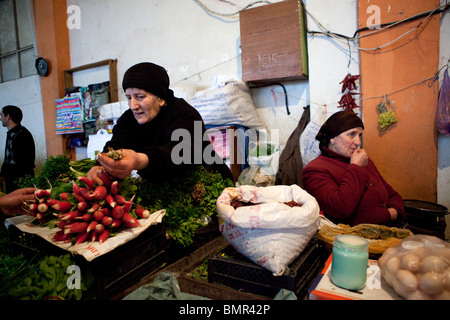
266 155
255 176
418 268
443 109
268 231
69 115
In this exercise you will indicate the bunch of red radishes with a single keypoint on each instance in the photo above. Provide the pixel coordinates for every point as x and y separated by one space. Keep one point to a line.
91 212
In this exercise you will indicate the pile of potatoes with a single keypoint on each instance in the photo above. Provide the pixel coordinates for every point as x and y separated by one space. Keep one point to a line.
418 268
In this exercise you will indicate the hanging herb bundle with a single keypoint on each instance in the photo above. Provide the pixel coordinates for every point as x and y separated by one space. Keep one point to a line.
347 101
386 117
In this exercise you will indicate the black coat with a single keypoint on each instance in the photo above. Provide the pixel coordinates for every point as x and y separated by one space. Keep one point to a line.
191 146
22 154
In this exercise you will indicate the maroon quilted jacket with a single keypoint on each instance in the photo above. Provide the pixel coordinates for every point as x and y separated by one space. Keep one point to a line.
348 193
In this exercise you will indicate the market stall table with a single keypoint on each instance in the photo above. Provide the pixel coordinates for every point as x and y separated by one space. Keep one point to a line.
375 289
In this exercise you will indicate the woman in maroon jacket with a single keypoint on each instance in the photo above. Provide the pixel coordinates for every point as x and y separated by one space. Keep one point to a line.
345 181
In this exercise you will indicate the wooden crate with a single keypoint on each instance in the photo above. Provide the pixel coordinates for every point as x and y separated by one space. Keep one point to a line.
188 284
273 42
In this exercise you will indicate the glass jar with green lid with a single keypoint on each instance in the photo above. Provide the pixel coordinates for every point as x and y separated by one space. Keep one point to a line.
349 262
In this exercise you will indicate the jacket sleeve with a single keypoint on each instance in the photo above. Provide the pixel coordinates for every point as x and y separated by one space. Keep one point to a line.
339 200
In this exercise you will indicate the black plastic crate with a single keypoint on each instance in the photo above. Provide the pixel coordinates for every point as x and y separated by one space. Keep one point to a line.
241 273
114 271
202 236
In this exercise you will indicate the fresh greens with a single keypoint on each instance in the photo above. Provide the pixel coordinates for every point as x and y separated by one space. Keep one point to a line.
188 199
46 278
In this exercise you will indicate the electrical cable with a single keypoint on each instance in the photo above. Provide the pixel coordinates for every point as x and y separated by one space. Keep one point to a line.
230 3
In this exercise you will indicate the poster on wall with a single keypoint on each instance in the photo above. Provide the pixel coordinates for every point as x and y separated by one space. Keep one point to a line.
69 115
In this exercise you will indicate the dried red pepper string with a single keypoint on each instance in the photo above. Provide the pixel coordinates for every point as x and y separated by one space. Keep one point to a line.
348 84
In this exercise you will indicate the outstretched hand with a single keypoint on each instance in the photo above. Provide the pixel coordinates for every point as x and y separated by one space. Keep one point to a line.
12 203
131 160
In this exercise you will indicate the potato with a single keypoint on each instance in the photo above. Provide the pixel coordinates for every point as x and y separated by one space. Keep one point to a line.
393 265
418 295
444 295
432 264
407 280
446 279
410 262
431 283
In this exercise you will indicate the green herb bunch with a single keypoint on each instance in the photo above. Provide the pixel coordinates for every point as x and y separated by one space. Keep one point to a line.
188 199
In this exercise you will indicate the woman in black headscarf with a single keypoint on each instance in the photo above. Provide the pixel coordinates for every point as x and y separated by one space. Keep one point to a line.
345 181
160 135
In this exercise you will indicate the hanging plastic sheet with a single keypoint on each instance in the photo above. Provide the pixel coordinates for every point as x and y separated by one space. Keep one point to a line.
443 109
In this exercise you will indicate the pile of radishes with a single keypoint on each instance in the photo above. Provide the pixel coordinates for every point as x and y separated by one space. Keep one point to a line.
418 268
89 213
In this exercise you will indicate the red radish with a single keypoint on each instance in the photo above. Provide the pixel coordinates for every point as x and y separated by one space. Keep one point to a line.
96 206
115 187
41 193
82 206
33 207
79 198
76 227
116 223
94 236
99 228
51 202
103 236
120 199
61 236
76 188
89 184
98 215
61 224
92 226
142 212
40 217
42 207
110 200
118 212
105 178
64 195
100 192
86 194
130 221
127 206
86 217
106 211
106 221
69 215
62 206
81 237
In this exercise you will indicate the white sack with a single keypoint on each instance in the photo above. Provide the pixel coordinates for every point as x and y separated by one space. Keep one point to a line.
269 233
227 103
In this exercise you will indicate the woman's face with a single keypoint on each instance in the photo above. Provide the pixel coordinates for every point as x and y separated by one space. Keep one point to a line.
347 142
145 106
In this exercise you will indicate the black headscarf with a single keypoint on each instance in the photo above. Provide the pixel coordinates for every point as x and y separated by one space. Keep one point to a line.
336 124
149 77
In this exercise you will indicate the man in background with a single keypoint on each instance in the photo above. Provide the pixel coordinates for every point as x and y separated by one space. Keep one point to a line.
20 151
